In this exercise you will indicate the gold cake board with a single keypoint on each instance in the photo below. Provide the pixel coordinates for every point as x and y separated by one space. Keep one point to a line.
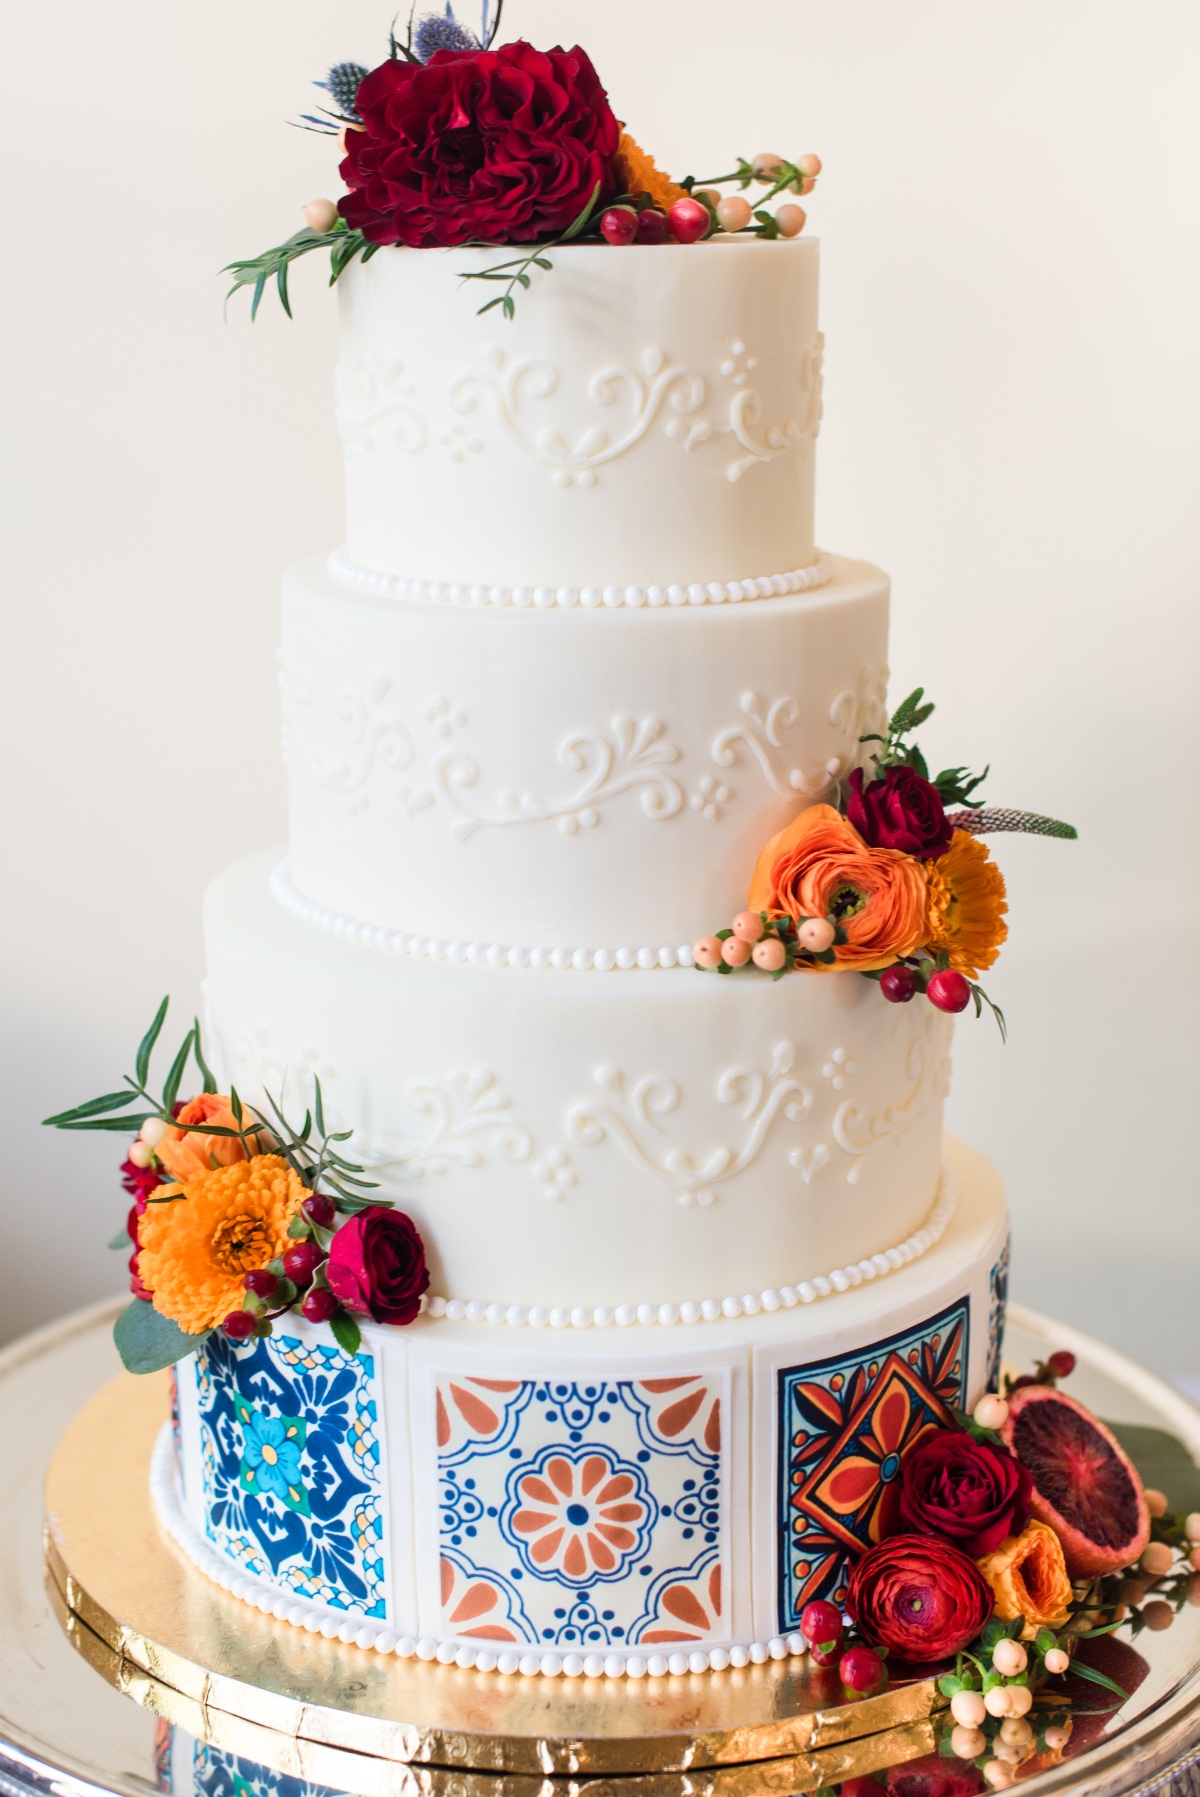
144 1617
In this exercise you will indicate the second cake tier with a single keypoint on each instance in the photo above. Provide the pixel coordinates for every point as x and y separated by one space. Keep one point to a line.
578 1148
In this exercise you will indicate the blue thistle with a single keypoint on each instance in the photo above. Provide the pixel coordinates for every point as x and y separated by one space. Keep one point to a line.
436 32
341 84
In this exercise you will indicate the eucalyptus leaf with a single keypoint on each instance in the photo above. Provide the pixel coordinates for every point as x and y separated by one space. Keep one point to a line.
146 1047
95 1107
175 1076
147 1342
206 1073
346 1332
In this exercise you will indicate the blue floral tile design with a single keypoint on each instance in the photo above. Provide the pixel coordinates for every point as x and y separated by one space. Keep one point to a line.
844 1425
584 1514
291 1468
997 1309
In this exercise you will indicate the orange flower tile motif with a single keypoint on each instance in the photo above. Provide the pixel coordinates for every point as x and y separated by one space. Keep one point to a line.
844 1426
581 1518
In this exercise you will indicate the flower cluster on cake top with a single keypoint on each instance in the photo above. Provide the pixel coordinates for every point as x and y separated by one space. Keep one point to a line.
238 1218
454 140
891 881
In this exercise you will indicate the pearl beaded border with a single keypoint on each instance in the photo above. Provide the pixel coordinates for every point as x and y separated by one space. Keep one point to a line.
335 1625
712 1310
476 954
546 598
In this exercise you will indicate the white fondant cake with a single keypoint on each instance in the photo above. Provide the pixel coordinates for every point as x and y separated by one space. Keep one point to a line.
696 1243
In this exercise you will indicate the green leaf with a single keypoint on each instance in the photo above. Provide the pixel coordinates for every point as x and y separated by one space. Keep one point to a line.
125 1126
122 1241
95 1107
318 1110
908 713
949 1685
210 1084
171 1089
146 1047
346 1332
1097 1678
235 1105
580 224
147 1342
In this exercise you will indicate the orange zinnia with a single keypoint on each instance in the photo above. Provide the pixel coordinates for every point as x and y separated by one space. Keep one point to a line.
966 905
186 1152
638 173
229 1221
821 867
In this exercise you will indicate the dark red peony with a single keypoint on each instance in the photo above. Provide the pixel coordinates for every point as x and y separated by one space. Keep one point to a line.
965 1491
900 811
377 1266
918 1597
493 146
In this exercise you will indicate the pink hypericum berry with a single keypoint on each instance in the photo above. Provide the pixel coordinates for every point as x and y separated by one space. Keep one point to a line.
238 1325
791 220
301 1262
765 164
320 215
141 1154
770 955
816 934
748 926
707 952
898 985
861 1671
735 952
262 1284
1058 1661
652 226
821 1626
319 1305
689 220
320 1209
734 213
1061 1363
949 991
991 1412
809 165
619 225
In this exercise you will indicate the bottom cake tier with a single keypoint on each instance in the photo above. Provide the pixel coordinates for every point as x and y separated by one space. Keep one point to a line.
621 1500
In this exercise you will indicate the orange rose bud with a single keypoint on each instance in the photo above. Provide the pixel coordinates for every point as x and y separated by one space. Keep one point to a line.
821 867
186 1152
1028 1577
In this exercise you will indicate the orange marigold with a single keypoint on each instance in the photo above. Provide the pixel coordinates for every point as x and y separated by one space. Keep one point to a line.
966 905
821 867
225 1223
638 173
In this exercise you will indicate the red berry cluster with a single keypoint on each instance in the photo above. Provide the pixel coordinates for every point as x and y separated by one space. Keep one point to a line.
272 1290
861 1670
944 987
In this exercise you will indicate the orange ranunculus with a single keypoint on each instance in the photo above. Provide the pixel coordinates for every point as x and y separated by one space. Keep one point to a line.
216 1227
966 905
1028 1576
638 173
821 867
186 1152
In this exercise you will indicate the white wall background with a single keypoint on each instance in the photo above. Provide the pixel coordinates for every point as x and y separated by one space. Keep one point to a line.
1012 301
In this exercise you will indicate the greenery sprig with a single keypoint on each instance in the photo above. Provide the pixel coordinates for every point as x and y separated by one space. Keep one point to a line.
954 784
516 273
343 244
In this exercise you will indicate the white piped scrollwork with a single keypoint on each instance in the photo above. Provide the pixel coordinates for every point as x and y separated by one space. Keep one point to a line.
760 737
633 1118
746 414
376 409
860 1133
514 388
633 758
374 736
465 1119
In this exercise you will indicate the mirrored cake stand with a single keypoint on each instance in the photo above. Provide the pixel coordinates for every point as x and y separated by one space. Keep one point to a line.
193 1694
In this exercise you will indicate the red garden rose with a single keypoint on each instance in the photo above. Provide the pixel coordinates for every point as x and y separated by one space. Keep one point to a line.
377 1266
965 1491
497 146
918 1597
900 811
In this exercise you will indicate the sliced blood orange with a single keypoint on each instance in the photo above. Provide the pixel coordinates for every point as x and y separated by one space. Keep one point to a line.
1084 1485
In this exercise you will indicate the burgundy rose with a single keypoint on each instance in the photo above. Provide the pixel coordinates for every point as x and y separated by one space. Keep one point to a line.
496 146
918 1597
377 1266
900 811
965 1491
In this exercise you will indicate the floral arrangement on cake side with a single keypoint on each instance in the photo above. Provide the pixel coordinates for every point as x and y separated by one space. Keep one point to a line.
891 881
452 142
238 1218
1006 1541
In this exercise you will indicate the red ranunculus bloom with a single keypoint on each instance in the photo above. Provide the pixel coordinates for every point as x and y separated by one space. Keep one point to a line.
965 1491
900 811
497 146
377 1266
919 1597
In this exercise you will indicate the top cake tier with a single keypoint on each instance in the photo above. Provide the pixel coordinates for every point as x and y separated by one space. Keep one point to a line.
645 421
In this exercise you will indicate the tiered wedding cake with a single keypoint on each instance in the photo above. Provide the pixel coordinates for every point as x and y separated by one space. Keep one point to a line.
702 1262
